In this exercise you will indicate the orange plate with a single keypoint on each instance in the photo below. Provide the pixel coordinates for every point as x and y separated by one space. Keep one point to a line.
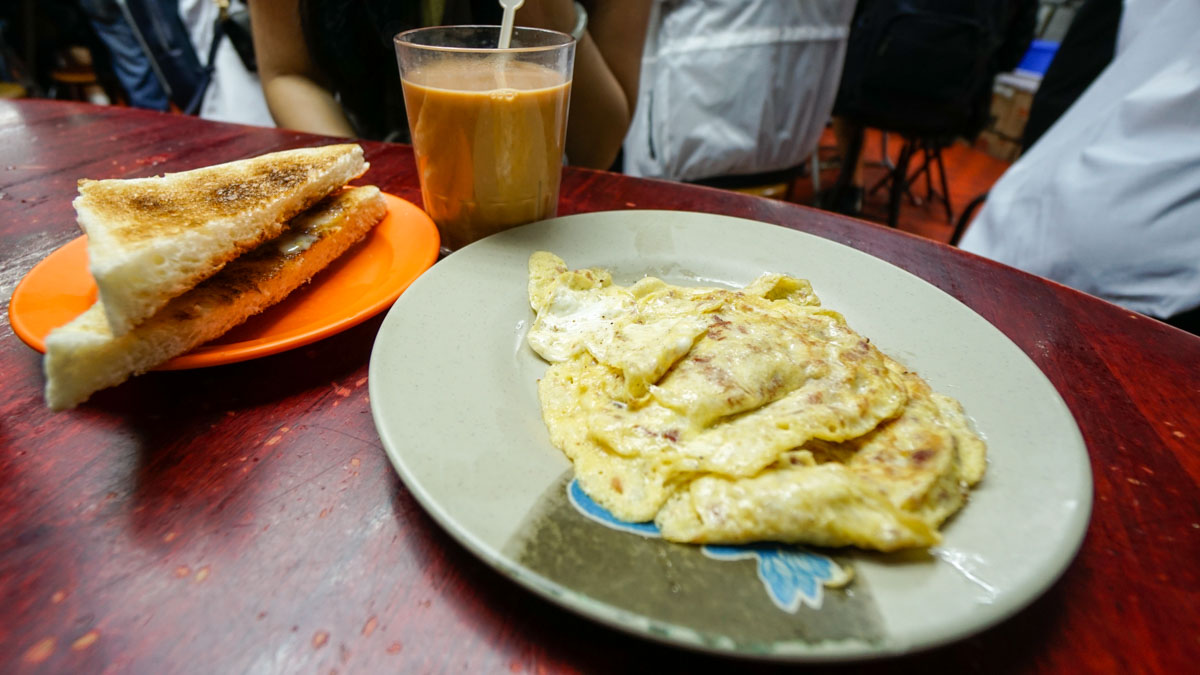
363 282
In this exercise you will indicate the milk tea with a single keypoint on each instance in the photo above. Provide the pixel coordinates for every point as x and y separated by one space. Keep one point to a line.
488 137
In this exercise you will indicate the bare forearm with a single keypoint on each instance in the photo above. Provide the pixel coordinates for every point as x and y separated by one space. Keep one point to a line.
607 66
600 112
296 94
296 102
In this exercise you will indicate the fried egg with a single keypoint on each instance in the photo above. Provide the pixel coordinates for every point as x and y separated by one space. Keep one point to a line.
739 415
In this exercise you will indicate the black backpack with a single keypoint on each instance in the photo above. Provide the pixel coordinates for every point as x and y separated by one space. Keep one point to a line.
165 40
920 67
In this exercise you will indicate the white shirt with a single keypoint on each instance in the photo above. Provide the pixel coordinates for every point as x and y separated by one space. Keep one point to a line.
734 87
1108 200
234 94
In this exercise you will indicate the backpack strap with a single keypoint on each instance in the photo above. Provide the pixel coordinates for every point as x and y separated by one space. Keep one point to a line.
193 106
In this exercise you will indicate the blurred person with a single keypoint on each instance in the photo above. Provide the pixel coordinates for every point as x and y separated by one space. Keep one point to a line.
1107 201
329 66
918 63
36 40
160 53
233 92
129 61
160 33
735 87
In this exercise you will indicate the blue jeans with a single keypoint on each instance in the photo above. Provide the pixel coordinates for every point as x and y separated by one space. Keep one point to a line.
131 65
156 63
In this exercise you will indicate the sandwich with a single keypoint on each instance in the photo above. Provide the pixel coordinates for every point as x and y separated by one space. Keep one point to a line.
93 352
152 239
86 355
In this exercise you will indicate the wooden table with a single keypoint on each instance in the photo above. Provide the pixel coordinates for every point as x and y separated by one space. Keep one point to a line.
244 518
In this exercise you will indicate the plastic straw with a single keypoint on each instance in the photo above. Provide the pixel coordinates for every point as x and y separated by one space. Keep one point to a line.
506 24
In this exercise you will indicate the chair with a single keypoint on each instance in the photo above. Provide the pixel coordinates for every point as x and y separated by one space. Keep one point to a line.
12 90
75 79
773 184
900 182
922 75
965 219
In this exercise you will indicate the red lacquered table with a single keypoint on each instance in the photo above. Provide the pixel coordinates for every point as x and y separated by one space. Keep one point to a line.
244 518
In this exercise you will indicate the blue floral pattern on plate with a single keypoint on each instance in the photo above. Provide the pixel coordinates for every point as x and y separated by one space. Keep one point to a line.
791 575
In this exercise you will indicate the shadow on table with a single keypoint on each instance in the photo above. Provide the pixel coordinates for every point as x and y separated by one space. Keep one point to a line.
197 431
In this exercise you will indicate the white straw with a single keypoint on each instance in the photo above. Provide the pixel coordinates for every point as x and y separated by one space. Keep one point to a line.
506 24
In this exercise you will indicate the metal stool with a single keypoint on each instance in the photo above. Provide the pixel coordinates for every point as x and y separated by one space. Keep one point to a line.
901 181
12 90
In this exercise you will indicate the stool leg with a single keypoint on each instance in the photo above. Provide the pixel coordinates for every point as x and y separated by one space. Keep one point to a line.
846 171
965 219
919 146
930 151
899 184
885 162
945 187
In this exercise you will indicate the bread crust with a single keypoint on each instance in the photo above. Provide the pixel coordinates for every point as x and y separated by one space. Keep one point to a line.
152 239
85 355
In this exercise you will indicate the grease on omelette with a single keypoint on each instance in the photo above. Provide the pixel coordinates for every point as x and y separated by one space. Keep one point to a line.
731 416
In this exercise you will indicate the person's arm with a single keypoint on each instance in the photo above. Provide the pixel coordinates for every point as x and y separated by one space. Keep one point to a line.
292 84
608 61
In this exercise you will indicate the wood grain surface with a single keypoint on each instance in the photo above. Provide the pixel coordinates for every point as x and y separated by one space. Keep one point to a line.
244 518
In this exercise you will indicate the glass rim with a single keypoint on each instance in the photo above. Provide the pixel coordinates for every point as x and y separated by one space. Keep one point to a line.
401 39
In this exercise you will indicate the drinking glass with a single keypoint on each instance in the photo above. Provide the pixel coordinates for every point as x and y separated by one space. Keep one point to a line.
488 125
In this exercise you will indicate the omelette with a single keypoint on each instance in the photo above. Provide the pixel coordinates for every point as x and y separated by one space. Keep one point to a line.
730 416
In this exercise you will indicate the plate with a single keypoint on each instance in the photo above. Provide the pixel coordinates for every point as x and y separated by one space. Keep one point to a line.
355 287
453 394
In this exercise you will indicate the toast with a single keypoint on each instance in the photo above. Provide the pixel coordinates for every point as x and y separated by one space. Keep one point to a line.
152 239
85 355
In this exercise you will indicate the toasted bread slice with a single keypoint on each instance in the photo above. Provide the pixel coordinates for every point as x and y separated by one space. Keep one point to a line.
152 239
85 356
